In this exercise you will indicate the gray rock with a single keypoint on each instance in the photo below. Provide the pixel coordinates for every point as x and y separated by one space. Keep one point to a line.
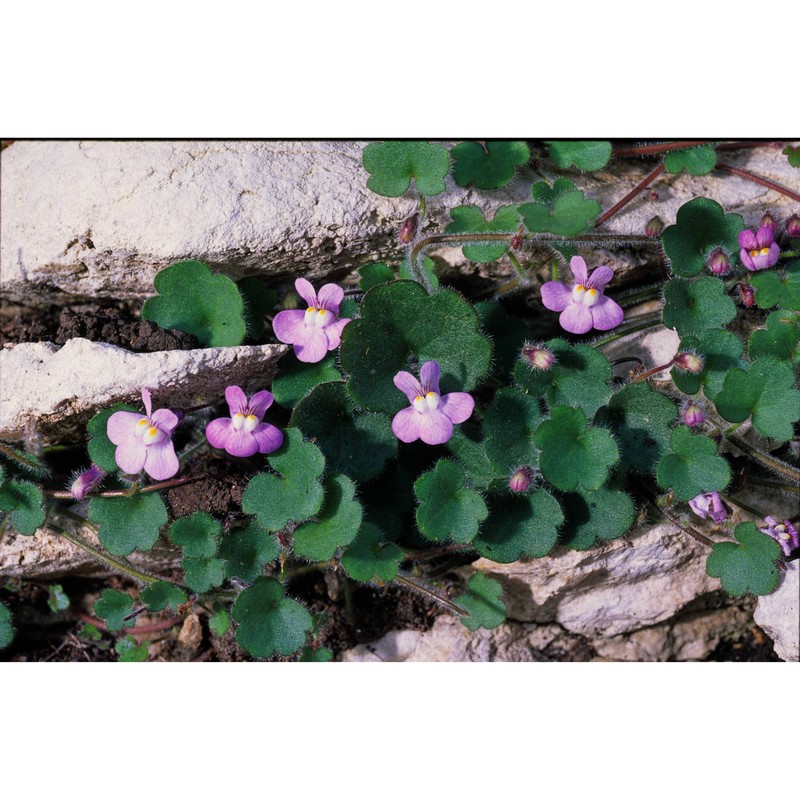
779 614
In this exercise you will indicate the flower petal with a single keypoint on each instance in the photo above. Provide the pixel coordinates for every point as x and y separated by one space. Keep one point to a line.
218 432
160 460
306 291
259 403
408 385
330 296
287 325
748 240
236 399
457 406
764 236
268 437
556 296
429 377
435 427
576 318
310 344
165 420
774 255
122 425
148 402
241 443
578 267
405 424
606 314
599 278
130 456
744 255
334 332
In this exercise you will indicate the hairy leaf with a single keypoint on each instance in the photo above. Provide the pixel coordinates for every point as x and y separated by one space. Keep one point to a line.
482 600
692 466
128 523
747 567
393 165
488 167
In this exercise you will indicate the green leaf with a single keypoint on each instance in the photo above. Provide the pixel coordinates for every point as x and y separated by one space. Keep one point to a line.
202 574
259 302
336 524
695 160
270 623
128 523
101 448
6 628
406 273
580 377
90 632
562 209
247 550
357 443
793 154
573 454
161 595
747 567
588 156
766 392
392 166
693 307
641 421
470 219
198 535
702 226
721 350
113 607
525 525
603 514
193 299
219 622
374 275
369 559
24 502
319 655
399 321
482 600
447 509
692 466
128 650
296 494
297 378
507 333
509 424
780 338
776 289
470 452
488 168
57 600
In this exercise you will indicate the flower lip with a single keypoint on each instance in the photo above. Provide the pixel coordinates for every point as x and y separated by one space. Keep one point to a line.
244 433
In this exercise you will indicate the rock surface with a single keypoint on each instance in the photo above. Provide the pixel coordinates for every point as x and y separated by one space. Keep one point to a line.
779 614
99 219
53 390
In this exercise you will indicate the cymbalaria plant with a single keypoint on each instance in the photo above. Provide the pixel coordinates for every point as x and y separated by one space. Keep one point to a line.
421 413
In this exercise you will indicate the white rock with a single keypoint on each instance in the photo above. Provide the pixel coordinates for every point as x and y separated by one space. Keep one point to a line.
779 614
55 390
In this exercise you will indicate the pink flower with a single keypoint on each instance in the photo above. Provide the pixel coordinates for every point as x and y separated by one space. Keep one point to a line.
86 482
430 417
759 250
709 504
784 533
583 306
243 433
316 330
145 442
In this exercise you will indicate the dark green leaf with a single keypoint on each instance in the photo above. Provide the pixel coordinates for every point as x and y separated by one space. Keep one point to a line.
219 622
392 166
693 307
297 378
776 289
6 628
562 209
319 655
198 535
466 446
161 595
128 650
470 219
780 338
695 160
488 168
374 275
747 567
721 350
247 550
368 558
202 574
260 300
793 154
692 466
428 266
113 607
482 600
507 333
588 156
509 424
603 514
128 523
24 502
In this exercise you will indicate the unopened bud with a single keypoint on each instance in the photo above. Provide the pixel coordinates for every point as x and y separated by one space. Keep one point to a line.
688 362
516 240
521 480
538 357
654 195
693 415
747 294
408 230
86 482
654 227
719 263
793 226
179 413
768 221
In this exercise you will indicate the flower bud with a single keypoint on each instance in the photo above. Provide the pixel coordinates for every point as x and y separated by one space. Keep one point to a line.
654 227
654 195
516 240
793 226
408 229
747 294
538 357
86 482
179 413
692 415
768 221
719 263
709 505
688 362
521 480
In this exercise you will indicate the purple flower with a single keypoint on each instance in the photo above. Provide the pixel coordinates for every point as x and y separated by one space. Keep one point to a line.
316 330
430 417
709 504
692 415
583 306
243 433
784 533
86 482
521 480
759 250
145 442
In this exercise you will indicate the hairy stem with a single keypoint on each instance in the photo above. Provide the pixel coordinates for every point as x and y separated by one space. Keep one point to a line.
700 537
433 594
751 176
521 275
766 459
650 322
643 184
654 149
154 487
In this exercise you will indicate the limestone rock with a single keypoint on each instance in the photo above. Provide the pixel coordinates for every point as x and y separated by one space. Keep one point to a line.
779 614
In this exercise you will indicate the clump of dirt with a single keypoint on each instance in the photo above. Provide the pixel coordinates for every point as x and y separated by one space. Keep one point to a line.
218 491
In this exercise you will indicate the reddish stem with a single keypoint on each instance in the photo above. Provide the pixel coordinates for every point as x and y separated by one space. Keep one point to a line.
643 376
750 176
646 181
125 493
135 631
654 149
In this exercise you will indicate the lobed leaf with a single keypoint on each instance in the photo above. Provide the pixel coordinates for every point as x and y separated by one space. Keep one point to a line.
296 378
509 424
470 219
588 156
202 574
774 288
780 338
374 274
562 210
695 160
393 165
693 307
247 550
368 558
24 503
113 607
162 595
692 466
604 514
6 628
482 600
488 167
747 567
129 650
721 351
197 535
128 523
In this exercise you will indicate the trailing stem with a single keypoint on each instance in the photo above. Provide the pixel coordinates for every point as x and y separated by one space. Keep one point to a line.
433 594
751 176
643 184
